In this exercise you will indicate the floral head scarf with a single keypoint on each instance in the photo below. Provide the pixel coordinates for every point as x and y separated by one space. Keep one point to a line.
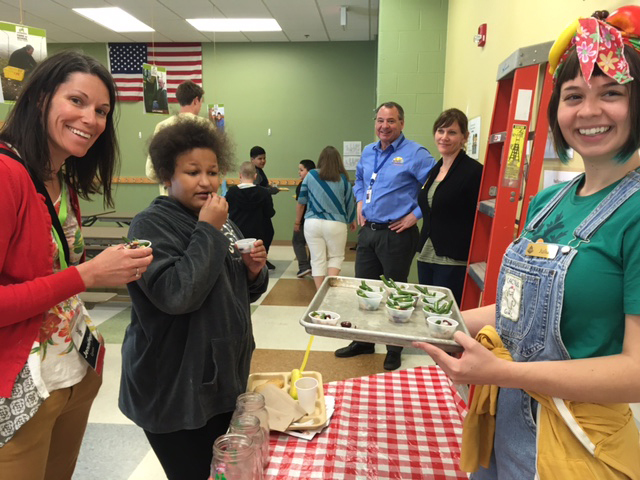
599 42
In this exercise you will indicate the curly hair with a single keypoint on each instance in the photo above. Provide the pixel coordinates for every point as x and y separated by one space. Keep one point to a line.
26 127
183 136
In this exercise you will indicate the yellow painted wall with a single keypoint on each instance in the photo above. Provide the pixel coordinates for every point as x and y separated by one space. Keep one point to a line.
470 71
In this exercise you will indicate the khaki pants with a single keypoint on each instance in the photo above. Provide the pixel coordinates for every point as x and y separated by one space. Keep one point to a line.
47 446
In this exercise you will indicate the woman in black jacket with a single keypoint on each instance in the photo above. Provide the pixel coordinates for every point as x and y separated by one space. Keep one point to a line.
448 201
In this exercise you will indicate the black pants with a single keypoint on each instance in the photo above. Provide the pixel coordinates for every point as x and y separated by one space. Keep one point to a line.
385 252
187 454
449 276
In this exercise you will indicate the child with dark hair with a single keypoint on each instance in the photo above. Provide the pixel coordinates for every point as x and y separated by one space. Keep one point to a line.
259 160
187 351
298 241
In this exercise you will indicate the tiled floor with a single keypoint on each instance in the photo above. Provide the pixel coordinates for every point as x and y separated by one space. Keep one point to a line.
115 445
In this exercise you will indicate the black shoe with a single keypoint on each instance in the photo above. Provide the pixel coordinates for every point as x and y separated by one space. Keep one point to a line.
354 349
303 272
392 361
270 265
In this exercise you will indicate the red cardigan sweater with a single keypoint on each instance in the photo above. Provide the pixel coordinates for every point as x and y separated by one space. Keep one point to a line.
28 286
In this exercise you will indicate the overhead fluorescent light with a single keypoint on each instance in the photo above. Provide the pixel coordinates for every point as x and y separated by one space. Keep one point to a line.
235 24
114 18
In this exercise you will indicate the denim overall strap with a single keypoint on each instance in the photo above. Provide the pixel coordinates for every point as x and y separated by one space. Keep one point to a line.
629 185
546 210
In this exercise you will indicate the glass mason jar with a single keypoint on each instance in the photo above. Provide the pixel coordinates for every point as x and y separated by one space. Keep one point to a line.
253 404
249 425
234 458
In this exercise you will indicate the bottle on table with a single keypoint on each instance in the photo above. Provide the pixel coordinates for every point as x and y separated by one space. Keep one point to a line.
249 425
234 458
253 404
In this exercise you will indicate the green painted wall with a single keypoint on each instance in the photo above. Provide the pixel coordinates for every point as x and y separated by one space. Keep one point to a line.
411 59
309 94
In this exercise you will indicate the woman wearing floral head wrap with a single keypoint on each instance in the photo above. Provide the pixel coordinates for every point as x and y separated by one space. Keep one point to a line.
556 359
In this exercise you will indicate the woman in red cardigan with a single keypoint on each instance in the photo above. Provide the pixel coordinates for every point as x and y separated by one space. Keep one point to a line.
58 143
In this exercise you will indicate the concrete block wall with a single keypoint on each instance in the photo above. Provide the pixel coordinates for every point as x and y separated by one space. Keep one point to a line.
411 60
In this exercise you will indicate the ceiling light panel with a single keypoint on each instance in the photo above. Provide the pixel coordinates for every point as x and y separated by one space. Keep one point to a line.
114 18
235 24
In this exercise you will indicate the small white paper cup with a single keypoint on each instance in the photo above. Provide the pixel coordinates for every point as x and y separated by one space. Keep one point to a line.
245 245
307 388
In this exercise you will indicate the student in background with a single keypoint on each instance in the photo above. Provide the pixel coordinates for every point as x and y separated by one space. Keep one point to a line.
251 206
298 241
259 160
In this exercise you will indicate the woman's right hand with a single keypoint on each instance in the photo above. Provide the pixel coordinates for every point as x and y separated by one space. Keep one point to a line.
214 211
115 266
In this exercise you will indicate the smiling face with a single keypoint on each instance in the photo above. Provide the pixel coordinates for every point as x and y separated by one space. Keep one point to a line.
260 161
594 121
195 177
450 140
388 125
77 116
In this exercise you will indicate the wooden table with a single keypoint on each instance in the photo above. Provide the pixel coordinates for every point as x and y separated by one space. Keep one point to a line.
399 425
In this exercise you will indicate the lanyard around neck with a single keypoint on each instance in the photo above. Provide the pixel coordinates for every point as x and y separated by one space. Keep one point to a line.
62 216
376 167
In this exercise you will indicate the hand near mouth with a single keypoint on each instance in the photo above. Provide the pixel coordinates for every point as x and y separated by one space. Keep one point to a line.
214 211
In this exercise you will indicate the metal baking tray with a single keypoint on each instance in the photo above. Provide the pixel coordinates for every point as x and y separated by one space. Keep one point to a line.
338 294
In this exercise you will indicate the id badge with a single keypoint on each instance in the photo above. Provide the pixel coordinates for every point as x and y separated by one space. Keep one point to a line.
511 297
542 250
88 345
368 197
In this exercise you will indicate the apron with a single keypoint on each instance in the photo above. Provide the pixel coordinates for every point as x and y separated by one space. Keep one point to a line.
528 309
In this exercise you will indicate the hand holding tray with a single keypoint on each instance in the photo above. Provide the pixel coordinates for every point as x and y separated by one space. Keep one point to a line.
338 294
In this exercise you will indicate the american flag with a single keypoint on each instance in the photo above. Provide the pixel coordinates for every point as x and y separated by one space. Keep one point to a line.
183 61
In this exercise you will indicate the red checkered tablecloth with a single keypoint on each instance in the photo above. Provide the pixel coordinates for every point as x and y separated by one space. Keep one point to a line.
398 425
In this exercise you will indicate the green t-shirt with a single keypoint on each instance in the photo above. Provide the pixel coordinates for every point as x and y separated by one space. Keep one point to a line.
603 280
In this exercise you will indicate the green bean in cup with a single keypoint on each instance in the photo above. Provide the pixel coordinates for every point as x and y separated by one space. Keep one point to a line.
135 243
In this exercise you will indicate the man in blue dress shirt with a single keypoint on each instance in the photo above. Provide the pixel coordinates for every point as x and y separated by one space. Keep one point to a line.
389 176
